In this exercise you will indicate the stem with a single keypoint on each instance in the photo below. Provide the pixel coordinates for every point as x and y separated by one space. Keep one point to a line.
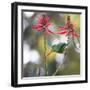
49 53
72 40
74 43
56 70
78 41
59 67
38 71
45 54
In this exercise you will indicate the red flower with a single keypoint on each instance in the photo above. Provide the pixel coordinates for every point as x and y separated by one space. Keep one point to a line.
43 23
68 29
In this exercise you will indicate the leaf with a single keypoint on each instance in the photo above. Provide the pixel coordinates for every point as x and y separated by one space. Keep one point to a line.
59 48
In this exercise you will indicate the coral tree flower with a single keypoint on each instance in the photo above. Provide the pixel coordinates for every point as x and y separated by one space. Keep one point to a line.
43 24
68 29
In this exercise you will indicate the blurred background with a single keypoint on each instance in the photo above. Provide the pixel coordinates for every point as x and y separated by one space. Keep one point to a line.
33 46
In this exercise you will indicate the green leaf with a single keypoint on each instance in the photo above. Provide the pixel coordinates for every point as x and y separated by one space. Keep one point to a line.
59 48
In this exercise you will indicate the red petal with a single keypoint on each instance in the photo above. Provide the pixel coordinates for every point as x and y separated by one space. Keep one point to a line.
38 27
63 32
62 28
43 19
48 24
68 23
49 31
46 19
40 20
76 35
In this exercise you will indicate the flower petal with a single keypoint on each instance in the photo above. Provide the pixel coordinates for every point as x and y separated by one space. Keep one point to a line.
49 31
75 35
37 26
46 19
48 24
63 32
39 29
62 27
43 19
40 20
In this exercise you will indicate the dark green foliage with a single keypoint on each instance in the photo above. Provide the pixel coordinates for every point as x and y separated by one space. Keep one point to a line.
59 48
